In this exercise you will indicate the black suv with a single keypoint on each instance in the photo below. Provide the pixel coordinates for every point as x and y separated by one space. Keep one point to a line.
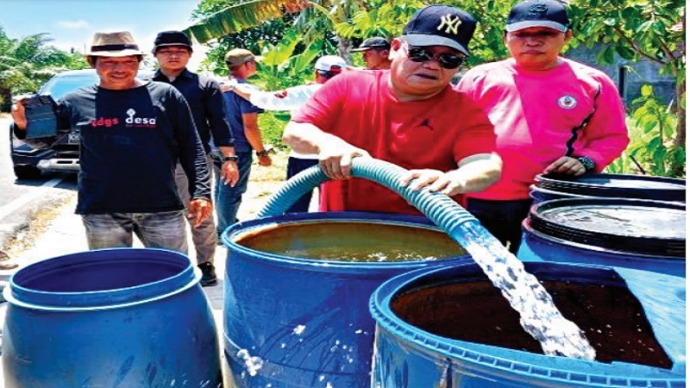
63 154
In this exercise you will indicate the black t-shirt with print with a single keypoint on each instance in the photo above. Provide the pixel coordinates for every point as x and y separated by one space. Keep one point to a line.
131 141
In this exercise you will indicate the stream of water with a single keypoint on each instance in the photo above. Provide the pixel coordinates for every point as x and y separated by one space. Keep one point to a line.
538 314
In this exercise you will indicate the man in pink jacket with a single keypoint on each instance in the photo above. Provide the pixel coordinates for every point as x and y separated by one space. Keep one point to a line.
550 114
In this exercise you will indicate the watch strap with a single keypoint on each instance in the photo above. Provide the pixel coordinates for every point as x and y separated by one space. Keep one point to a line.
587 162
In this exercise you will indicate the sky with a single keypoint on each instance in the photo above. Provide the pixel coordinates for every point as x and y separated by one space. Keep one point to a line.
72 23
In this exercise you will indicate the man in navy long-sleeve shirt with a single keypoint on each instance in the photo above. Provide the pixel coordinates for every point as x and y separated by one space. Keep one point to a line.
173 49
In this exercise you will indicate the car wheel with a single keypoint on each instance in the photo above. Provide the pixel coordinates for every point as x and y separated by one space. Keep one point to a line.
27 172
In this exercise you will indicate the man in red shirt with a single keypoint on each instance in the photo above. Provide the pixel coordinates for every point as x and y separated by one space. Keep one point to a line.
408 115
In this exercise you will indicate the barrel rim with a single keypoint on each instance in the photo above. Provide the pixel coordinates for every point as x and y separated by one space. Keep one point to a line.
481 356
22 296
576 185
416 221
539 178
535 188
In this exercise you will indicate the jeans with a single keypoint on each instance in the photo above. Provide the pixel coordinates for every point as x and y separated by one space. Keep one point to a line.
203 236
228 198
503 219
155 230
294 167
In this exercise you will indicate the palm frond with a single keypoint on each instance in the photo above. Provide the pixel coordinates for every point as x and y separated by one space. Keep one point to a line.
241 16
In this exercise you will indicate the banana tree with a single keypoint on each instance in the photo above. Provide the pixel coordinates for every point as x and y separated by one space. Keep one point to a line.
281 66
218 18
314 20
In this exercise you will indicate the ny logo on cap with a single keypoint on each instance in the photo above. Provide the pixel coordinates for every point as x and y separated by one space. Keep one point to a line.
451 22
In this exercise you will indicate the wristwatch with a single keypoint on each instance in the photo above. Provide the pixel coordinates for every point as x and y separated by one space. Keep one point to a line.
587 162
230 159
262 153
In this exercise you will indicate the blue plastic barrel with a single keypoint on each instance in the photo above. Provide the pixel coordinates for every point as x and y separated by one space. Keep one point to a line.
110 318
292 321
552 186
449 327
638 234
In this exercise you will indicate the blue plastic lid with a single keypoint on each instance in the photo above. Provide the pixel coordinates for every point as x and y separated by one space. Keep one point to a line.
628 225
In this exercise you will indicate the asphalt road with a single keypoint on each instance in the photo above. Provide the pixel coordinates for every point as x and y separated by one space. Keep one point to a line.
22 200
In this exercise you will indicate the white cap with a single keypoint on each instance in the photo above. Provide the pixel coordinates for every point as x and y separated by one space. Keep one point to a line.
332 63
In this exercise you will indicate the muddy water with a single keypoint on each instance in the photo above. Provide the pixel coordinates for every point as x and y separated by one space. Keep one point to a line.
611 317
352 241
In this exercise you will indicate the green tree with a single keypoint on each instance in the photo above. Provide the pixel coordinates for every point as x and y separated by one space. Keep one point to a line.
28 62
219 18
634 29
651 30
243 24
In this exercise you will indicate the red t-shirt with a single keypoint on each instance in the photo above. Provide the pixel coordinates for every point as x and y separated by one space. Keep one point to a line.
360 108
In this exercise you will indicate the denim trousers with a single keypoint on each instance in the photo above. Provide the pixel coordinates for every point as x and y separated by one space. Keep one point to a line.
294 167
165 230
203 236
503 219
228 198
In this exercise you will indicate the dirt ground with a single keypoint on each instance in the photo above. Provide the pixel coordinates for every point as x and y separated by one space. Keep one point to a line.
263 182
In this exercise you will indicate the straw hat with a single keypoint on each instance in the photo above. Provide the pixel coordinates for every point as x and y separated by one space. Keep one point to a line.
113 44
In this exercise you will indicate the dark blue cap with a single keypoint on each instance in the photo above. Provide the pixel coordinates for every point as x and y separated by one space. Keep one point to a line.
538 13
441 25
375 42
171 38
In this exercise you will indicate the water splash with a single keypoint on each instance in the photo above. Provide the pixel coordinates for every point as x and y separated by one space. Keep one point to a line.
299 329
252 363
538 314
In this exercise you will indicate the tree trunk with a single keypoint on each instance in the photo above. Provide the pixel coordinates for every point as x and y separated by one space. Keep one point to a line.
679 141
5 100
680 109
344 46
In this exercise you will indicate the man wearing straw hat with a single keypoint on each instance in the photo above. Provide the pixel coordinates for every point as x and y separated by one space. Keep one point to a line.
132 133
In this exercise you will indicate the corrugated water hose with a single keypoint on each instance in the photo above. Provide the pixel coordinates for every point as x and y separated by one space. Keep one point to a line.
439 208
544 322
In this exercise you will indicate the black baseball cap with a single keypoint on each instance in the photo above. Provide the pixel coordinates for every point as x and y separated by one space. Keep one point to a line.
440 25
171 38
538 13
376 42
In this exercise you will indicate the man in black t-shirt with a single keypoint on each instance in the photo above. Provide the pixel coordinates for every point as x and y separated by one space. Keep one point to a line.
132 134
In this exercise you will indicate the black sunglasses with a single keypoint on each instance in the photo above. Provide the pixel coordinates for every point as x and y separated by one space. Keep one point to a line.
446 60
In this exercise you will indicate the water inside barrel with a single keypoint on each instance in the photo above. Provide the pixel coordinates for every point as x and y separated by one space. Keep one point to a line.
475 311
352 241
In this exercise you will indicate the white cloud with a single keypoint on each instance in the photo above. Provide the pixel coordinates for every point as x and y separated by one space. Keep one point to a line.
73 24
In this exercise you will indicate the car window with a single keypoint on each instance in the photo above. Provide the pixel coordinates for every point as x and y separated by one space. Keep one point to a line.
58 86
62 84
